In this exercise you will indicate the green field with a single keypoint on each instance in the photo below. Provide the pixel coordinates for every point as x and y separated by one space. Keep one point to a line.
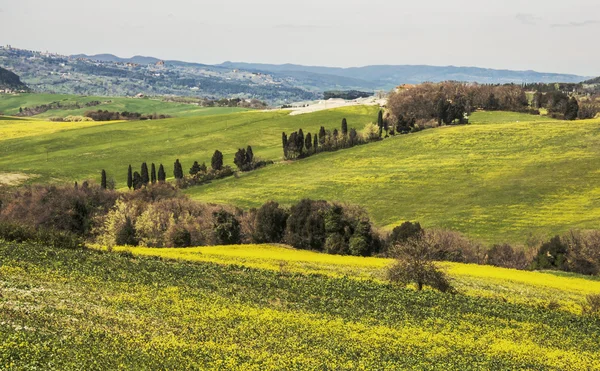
10 104
498 182
88 310
507 177
76 151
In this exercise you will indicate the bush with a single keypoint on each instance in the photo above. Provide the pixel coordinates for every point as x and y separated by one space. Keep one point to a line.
591 307
507 257
552 255
226 228
269 223
49 237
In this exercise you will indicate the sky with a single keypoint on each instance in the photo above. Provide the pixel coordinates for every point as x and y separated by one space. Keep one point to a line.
542 35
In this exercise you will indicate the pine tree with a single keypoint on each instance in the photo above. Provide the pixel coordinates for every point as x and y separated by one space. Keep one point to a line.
144 174
308 142
217 161
249 156
162 176
344 127
129 178
153 173
103 180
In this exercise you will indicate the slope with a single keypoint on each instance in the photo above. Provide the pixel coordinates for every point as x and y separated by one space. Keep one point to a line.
498 182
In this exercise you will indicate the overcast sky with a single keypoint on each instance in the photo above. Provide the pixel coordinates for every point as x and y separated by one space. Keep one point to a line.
542 35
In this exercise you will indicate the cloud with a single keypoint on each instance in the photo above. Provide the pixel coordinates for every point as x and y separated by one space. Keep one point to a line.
577 24
528 18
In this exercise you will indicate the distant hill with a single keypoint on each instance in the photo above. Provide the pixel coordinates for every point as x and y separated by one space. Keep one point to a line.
10 80
592 81
389 76
113 58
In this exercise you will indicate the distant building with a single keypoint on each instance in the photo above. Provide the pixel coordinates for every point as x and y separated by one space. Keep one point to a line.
160 63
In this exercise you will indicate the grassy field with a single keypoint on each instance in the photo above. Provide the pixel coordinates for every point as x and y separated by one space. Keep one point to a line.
521 287
10 104
498 182
77 151
67 310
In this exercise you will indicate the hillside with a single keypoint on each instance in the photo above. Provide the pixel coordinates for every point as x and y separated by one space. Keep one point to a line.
506 178
78 105
81 309
10 81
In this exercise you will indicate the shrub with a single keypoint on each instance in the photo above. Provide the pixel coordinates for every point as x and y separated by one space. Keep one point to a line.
370 132
226 228
269 223
591 307
551 255
49 237
507 257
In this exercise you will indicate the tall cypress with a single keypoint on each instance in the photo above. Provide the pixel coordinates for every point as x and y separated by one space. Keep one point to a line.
137 181
308 142
316 142
162 176
217 160
103 180
322 135
249 155
153 173
300 143
177 170
344 127
144 174
129 178
284 142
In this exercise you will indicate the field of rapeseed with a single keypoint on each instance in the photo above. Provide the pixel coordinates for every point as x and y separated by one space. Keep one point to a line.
86 309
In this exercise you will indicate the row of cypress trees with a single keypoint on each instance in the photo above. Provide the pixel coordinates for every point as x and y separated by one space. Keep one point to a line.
137 180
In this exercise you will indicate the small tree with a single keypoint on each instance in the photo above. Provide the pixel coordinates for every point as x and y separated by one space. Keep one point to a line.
240 159
162 176
284 142
249 156
129 178
380 122
414 264
177 170
103 180
153 173
300 142
316 143
203 168
137 181
195 169
144 174
344 127
226 227
322 136
308 142
217 161
572 110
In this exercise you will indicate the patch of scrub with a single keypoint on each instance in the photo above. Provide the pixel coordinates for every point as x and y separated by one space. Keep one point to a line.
15 179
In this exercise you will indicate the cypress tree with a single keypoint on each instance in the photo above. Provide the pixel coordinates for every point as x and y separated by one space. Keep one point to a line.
316 142
300 143
344 127
308 142
137 181
103 180
240 159
129 178
76 186
161 174
153 173
249 156
572 110
203 167
144 174
380 119
322 136
284 142
217 161
195 169
177 170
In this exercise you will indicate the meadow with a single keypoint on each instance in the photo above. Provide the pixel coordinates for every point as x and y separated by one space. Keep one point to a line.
83 309
10 104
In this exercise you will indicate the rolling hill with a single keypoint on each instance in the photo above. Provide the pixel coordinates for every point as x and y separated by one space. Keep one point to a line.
10 81
506 178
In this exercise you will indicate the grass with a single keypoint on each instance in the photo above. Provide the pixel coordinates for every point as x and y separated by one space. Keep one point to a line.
54 153
10 104
498 182
523 287
81 309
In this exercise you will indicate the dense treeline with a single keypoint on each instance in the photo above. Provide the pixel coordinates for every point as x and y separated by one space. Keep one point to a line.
159 216
106 115
346 94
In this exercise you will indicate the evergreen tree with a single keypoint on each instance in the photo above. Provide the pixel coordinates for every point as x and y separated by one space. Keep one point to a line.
386 128
76 186
20 109
162 176
145 176
153 173
249 156
316 143
335 135
284 142
203 168
353 137
300 142
137 181
195 169
129 178
177 170
217 161
240 159
344 127
308 142
103 180
572 110
322 135
380 120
